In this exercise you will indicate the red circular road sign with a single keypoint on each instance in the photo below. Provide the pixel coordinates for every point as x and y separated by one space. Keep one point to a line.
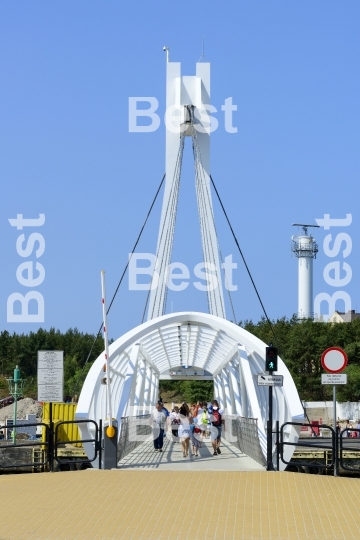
334 360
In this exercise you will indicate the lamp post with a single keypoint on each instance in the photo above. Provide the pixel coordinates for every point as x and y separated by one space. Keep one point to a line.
16 386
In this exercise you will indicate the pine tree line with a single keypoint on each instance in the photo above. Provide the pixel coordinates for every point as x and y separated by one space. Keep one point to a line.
300 347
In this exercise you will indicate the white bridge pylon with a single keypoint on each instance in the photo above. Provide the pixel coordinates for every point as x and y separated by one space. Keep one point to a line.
188 107
217 348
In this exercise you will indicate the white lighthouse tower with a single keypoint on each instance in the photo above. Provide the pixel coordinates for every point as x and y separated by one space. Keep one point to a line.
305 249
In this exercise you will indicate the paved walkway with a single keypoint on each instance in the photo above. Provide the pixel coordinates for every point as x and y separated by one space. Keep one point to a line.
178 505
230 459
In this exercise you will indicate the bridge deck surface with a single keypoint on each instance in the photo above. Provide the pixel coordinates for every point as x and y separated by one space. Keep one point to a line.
230 459
178 505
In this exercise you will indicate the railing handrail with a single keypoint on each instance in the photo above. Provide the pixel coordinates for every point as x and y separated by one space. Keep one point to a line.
95 440
283 443
29 443
247 435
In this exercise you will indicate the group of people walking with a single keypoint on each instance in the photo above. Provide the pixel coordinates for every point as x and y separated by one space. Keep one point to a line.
188 425
348 429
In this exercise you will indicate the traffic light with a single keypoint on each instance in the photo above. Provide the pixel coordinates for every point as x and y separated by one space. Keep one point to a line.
271 359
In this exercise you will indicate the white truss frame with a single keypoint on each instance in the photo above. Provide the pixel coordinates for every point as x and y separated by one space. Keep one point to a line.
233 356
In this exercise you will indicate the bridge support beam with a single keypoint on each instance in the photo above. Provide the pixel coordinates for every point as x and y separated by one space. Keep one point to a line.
139 390
147 388
154 389
235 398
127 395
227 391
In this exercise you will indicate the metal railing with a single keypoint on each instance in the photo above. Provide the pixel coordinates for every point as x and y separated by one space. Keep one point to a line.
133 431
95 441
304 444
243 433
349 455
7 446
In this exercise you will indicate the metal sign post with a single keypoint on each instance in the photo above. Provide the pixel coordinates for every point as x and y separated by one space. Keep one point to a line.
336 466
270 366
269 463
334 360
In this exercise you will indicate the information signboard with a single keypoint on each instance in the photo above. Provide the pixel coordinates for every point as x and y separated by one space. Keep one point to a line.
333 378
270 380
50 375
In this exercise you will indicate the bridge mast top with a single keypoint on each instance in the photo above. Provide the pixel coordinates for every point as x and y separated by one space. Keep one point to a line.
187 107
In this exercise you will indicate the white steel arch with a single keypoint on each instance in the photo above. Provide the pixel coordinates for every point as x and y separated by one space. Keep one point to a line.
227 352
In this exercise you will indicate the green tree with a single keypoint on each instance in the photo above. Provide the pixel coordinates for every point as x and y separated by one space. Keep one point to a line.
300 345
351 390
197 390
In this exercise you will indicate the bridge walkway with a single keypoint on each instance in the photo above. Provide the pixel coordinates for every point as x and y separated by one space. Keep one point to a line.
171 458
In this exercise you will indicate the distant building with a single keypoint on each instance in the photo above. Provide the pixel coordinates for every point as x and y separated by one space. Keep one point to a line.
339 316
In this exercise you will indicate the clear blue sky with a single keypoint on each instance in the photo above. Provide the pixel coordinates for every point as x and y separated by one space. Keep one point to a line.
67 70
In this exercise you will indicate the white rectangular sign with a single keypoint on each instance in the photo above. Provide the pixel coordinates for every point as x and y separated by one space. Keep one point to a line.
50 375
333 378
270 380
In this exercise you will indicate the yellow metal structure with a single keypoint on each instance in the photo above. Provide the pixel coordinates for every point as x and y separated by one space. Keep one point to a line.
60 413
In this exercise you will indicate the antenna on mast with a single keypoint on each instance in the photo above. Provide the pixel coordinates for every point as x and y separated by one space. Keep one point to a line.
304 227
203 50
167 50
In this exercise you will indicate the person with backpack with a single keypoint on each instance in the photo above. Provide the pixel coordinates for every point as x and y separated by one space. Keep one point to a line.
175 421
215 415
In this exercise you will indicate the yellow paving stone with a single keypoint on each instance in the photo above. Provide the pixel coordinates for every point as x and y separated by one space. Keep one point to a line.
178 505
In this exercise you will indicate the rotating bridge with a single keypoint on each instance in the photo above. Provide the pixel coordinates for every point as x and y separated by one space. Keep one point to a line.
204 344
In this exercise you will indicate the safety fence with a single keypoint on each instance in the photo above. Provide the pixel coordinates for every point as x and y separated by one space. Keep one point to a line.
243 433
349 445
95 442
20 451
323 443
134 430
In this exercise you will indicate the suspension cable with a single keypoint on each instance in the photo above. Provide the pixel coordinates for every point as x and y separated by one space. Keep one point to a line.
244 261
202 189
120 281
165 239
202 185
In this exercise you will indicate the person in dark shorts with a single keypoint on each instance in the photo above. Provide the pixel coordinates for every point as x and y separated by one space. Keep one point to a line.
215 415
158 418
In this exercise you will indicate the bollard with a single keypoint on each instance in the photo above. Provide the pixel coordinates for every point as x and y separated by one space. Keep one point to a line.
109 455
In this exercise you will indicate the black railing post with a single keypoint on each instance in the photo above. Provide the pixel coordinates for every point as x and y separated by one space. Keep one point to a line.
277 446
100 442
51 440
269 462
335 450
